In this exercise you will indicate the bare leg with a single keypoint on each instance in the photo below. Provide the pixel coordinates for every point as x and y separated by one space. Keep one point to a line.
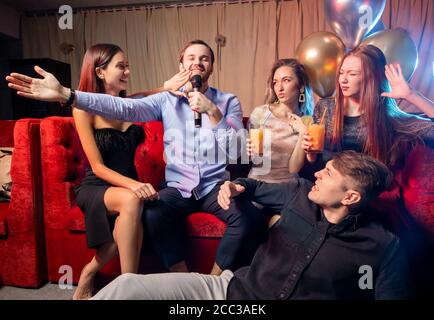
216 270
85 285
139 243
128 235
128 226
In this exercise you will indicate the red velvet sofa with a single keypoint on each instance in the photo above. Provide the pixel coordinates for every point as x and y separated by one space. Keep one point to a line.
22 245
417 218
63 166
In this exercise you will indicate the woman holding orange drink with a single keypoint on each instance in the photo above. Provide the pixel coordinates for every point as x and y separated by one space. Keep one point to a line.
276 127
363 116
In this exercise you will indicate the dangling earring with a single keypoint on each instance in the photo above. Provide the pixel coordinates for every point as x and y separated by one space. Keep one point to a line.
302 97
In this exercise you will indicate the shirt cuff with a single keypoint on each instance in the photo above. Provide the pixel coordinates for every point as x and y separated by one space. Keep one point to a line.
80 99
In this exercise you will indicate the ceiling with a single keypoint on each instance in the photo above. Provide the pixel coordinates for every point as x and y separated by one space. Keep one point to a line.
42 5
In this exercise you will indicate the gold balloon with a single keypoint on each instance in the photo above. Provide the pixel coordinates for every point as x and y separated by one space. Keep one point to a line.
321 53
398 47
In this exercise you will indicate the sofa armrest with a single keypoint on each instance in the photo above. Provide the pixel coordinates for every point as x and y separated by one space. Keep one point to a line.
25 209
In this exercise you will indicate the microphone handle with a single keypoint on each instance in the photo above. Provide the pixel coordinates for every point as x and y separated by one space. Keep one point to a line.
197 116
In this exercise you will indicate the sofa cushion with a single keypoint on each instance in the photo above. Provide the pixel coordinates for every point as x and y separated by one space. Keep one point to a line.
199 224
205 225
4 207
76 219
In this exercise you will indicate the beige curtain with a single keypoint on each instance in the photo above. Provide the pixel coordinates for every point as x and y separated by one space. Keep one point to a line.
256 34
155 36
250 50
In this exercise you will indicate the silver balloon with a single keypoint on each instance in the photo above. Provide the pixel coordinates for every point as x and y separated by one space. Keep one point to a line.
398 47
351 20
377 28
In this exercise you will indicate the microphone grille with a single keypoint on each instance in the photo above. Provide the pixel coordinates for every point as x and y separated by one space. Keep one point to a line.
196 81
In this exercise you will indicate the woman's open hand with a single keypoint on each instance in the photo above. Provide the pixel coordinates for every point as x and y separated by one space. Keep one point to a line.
398 84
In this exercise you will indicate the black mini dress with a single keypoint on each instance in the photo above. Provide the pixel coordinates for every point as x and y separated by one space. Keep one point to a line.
118 150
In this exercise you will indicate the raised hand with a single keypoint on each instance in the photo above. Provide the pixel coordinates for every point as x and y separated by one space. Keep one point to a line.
398 84
227 191
177 81
46 89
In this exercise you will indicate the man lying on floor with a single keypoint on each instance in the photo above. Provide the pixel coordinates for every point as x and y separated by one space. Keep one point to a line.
326 245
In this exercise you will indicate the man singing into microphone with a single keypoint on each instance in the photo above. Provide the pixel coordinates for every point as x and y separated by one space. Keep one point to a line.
192 181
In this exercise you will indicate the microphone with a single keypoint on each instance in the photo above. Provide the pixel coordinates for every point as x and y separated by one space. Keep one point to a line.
196 82
188 87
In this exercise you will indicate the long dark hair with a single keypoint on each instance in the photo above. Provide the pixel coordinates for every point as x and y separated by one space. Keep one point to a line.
303 81
98 55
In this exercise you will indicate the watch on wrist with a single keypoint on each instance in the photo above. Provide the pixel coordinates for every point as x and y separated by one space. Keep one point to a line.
70 100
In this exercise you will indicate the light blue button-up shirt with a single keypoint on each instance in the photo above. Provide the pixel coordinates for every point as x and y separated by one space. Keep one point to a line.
196 157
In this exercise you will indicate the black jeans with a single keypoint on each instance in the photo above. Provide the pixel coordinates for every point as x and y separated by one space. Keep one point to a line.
164 221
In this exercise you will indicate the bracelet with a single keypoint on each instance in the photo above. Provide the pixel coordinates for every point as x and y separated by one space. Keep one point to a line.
70 100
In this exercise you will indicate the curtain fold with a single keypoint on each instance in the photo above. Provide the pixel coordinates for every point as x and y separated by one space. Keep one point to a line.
256 34
249 51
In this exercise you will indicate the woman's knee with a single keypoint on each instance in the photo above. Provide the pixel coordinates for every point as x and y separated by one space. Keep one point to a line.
131 205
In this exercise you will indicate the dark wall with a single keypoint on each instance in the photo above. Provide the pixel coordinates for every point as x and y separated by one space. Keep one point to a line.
13 107
10 48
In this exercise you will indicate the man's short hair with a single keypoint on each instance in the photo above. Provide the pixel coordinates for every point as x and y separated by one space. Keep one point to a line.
371 177
181 53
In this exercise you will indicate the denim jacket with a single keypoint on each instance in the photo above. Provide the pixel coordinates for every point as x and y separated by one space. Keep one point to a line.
306 257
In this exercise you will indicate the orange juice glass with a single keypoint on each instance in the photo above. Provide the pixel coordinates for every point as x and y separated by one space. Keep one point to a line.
317 133
257 137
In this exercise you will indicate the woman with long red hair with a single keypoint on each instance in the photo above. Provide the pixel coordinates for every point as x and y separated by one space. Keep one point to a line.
111 195
364 116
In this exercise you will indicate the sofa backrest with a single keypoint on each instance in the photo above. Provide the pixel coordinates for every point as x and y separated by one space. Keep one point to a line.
417 185
65 162
63 166
149 160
